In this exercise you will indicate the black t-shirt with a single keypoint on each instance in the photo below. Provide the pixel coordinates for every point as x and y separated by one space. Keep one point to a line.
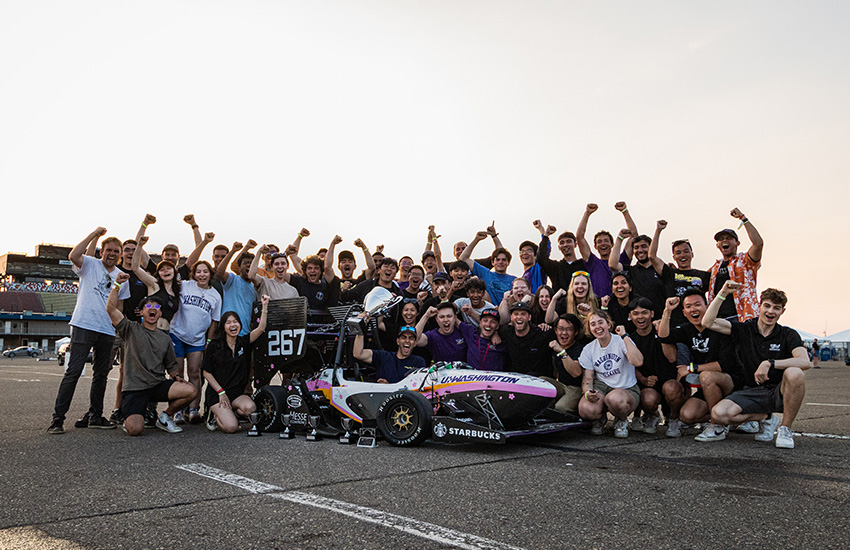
229 367
561 374
529 354
359 292
560 272
677 281
753 348
138 290
655 363
620 314
647 283
320 296
727 308
708 346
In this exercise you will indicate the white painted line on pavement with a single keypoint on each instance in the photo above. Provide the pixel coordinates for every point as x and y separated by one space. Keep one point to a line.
825 436
250 485
829 404
411 526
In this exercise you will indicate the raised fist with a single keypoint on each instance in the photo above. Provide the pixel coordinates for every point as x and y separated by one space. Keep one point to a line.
250 244
359 243
625 233
236 246
122 278
735 213
101 231
190 219
143 241
671 303
304 232
337 239
209 236
591 208
149 219
621 331
661 225
538 225
379 249
550 230
621 206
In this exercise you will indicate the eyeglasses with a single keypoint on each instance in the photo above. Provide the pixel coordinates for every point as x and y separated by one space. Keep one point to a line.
152 306
577 273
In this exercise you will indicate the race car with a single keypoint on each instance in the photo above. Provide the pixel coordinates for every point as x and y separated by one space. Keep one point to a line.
447 402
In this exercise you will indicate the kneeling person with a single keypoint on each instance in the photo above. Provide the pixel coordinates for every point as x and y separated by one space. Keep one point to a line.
227 368
774 360
148 355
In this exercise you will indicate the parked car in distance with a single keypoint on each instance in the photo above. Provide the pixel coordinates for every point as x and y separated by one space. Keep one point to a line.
22 351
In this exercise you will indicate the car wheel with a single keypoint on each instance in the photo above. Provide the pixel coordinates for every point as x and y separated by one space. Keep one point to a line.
12 355
404 419
271 403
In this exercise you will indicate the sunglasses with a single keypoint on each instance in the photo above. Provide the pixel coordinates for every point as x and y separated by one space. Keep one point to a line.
152 306
410 301
402 330
577 273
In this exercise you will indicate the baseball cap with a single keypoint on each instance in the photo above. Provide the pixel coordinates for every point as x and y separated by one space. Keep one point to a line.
730 232
490 311
520 306
171 247
440 276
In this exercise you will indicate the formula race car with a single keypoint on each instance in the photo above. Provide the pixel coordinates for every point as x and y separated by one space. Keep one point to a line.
447 402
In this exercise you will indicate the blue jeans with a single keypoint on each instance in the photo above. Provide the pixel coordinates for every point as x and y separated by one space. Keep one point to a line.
83 340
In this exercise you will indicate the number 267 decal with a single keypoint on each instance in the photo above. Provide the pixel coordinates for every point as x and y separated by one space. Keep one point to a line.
286 342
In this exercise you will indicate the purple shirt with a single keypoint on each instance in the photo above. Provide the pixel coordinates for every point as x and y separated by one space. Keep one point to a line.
446 348
481 354
600 273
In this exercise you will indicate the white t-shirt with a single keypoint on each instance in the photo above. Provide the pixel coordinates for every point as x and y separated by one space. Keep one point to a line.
460 302
199 307
610 363
95 286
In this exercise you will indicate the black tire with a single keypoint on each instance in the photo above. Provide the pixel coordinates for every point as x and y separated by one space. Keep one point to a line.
61 360
12 355
404 419
271 403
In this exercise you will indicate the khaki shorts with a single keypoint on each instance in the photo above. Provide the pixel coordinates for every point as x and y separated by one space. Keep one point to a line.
567 398
605 389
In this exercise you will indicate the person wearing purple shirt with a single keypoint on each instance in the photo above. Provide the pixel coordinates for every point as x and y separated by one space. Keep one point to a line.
481 352
446 342
597 266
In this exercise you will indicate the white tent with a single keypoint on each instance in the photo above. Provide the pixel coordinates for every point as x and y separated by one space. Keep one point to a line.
808 336
840 337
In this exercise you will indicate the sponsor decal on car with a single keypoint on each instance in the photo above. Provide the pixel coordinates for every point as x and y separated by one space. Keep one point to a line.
480 378
294 401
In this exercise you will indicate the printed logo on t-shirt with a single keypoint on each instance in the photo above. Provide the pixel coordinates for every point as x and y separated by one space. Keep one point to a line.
775 347
607 362
459 341
700 344
197 301
320 296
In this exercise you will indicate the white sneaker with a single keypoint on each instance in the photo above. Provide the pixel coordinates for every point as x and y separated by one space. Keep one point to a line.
166 423
767 427
784 438
650 424
751 427
621 429
178 417
674 428
714 432
598 427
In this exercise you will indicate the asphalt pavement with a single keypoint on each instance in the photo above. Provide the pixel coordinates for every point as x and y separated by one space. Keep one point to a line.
103 489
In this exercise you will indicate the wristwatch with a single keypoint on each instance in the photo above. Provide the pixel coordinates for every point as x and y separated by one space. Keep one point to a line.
772 363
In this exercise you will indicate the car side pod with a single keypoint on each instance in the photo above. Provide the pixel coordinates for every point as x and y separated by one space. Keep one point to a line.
368 434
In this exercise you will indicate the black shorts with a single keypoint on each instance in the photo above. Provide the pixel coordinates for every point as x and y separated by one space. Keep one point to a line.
758 400
136 402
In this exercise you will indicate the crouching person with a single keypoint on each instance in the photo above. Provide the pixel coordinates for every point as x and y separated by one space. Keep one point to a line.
774 360
227 370
148 355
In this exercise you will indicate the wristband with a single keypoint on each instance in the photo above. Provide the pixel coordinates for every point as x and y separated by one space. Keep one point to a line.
619 237
603 308
561 353
300 236
195 226
144 225
221 392
117 285
209 340
693 368
585 394
624 210
722 297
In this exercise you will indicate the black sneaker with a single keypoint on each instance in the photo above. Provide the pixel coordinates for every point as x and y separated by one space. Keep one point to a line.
116 417
56 428
101 423
150 418
83 422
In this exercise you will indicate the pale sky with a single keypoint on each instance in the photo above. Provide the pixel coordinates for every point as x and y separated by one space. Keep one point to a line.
376 119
